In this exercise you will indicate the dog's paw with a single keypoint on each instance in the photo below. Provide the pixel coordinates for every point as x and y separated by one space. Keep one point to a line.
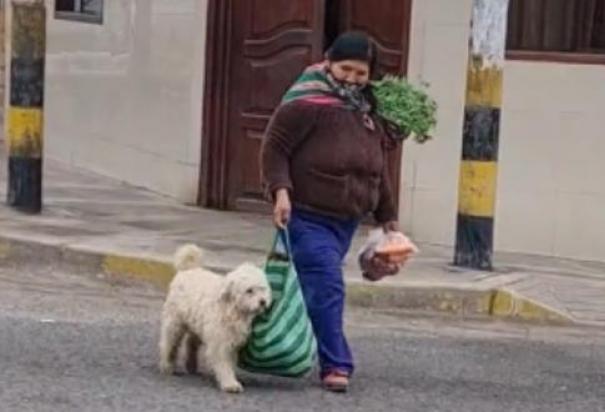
166 368
232 387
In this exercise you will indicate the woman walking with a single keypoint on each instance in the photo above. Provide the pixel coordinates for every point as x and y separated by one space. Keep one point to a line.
324 165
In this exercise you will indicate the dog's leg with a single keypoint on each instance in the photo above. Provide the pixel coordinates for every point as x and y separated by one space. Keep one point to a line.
170 337
222 362
192 346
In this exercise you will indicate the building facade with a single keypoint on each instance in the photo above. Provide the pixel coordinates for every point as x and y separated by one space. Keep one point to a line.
174 95
550 195
124 91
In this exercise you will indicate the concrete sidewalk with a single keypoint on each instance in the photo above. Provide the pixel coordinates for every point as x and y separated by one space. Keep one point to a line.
107 227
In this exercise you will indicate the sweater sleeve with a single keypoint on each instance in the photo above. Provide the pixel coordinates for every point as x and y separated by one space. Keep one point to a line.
385 212
288 128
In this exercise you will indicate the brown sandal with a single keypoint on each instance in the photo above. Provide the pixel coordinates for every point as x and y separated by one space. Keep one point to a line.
336 381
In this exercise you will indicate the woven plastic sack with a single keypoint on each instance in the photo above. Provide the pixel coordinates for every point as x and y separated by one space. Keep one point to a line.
282 342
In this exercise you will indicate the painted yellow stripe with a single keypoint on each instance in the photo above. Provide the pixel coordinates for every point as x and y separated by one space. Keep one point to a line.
484 86
160 273
25 131
508 304
477 188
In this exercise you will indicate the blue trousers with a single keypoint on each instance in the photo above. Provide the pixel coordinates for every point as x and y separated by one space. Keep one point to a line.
319 245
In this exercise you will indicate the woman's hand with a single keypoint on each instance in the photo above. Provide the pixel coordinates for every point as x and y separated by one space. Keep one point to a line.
282 209
384 268
392 226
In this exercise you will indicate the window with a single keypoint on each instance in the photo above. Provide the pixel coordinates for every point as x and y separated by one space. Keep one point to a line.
90 11
557 30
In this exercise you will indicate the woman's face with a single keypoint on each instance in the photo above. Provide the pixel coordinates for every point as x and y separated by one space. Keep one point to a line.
351 71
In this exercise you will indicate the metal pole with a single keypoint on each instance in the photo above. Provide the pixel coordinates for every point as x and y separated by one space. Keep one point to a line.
26 103
478 170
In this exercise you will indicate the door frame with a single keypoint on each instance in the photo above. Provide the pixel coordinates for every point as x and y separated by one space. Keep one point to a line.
213 177
212 191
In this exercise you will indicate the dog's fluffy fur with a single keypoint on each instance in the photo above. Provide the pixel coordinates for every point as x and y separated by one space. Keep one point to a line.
211 311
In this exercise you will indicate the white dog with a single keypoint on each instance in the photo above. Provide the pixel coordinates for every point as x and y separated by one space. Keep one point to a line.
211 310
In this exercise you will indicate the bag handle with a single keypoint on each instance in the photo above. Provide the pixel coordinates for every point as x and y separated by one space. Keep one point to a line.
282 238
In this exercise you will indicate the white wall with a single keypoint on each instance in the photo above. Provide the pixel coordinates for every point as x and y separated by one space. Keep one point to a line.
124 98
438 50
551 185
551 182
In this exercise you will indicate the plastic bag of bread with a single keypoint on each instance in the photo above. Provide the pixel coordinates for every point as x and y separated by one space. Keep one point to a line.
382 250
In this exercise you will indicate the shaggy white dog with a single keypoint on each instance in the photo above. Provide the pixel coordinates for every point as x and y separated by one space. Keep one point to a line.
213 311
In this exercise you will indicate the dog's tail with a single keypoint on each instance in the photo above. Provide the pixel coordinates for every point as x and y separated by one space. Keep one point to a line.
188 257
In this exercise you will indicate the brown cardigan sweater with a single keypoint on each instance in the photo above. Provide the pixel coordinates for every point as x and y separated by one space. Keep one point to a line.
329 161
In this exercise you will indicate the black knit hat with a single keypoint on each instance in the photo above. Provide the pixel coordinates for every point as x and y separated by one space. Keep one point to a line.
351 46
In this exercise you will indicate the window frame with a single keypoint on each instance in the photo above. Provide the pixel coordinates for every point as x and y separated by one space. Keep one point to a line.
555 57
570 57
79 16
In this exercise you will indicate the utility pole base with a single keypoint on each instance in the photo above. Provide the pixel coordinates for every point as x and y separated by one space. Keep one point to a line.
25 184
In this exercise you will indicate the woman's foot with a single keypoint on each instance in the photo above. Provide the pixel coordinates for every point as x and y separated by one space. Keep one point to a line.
336 381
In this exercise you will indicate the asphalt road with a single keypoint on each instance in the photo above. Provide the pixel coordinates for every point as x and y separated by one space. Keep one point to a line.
70 342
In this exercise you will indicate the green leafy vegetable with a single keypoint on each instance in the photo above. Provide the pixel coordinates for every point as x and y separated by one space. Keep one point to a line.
407 107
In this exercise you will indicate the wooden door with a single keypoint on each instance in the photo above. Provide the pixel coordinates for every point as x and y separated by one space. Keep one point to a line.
257 48
387 22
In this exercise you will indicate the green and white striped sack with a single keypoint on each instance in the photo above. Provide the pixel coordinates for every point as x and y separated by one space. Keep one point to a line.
282 342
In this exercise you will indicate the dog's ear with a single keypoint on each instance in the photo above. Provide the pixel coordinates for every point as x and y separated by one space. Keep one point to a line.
228 292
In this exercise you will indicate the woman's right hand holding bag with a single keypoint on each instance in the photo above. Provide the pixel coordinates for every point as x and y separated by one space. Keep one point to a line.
385 253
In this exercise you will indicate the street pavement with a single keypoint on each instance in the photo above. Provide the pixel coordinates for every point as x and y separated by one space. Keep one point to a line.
74 342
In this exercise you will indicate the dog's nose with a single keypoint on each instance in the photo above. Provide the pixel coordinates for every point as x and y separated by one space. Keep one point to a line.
263 303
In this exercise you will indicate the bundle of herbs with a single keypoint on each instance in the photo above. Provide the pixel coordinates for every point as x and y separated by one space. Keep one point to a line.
408 110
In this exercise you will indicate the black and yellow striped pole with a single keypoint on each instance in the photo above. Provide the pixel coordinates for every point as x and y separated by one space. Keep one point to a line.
26 102
478 170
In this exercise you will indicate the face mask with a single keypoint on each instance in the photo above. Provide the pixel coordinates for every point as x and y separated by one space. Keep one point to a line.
352 87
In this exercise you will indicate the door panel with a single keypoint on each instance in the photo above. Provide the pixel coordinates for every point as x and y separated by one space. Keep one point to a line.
387 22
270 46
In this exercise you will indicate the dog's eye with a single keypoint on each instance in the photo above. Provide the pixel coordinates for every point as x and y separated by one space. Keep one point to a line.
249 291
